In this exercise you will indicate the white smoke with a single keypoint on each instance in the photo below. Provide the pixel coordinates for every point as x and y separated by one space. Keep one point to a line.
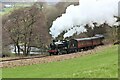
87 12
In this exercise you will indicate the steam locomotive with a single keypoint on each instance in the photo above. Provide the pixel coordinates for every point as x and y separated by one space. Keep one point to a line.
75 45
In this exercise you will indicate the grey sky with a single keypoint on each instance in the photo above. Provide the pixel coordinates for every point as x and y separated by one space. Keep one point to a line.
52 0
28 0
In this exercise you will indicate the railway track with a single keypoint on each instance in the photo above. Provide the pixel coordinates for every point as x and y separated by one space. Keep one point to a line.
22 58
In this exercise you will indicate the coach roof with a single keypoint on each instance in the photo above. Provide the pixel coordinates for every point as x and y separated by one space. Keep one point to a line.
83 39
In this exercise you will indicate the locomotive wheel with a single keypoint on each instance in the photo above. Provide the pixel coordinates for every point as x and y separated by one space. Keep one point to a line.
50 54
93 47
59 53
85 49
67 51
76 50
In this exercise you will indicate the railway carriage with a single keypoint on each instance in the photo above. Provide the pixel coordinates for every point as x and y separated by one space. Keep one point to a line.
84 43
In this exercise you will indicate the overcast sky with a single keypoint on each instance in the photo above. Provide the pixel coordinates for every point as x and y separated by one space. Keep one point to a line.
28 0
52 0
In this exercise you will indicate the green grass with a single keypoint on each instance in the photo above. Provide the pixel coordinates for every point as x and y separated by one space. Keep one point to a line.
104 64
6 11
17 6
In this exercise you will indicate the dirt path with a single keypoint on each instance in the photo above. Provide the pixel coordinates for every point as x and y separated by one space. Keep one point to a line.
47 59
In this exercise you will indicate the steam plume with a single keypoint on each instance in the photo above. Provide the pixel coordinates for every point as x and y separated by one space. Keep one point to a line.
87 12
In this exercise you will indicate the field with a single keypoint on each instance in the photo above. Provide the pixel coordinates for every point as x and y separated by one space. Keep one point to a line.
103 64
16 6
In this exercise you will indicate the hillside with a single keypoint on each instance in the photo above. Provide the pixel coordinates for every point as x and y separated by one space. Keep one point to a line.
103 64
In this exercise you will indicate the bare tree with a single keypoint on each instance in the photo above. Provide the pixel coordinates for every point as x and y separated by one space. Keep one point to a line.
21 26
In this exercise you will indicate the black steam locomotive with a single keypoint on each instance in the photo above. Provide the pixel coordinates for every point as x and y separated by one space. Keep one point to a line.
75 45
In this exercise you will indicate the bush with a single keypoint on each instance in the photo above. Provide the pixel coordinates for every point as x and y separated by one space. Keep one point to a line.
7 54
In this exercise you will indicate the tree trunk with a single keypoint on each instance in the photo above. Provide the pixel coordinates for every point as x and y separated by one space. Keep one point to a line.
18 47
28 50
15 50
25 50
